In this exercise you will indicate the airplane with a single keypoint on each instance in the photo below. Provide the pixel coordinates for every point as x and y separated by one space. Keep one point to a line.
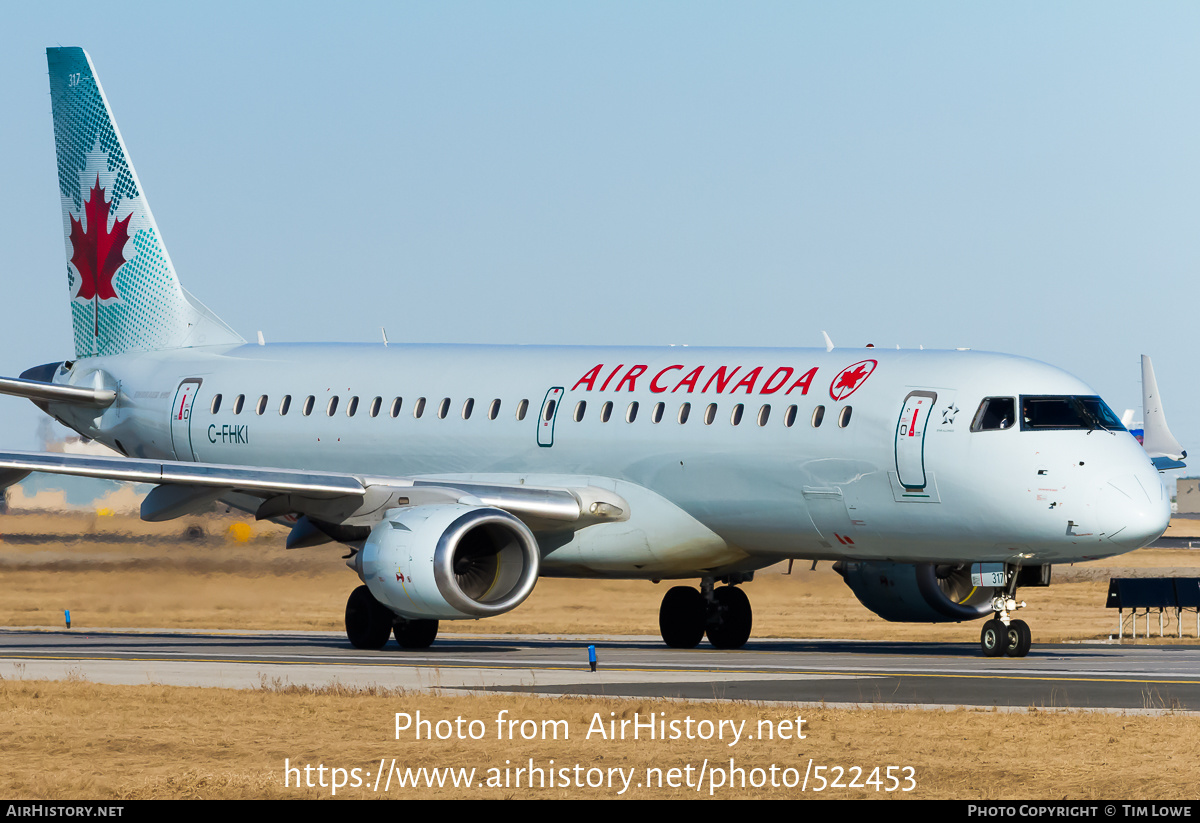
939 482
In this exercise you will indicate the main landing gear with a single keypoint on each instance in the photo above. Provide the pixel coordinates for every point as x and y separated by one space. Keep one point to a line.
1002 635
369 624
687 614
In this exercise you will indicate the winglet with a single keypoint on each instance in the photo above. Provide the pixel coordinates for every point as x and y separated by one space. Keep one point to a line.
1164 450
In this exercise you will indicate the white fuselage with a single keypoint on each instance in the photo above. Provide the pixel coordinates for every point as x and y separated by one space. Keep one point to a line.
905 479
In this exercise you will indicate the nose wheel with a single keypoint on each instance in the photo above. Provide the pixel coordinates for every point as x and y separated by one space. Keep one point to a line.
687 615
998 639
1001 635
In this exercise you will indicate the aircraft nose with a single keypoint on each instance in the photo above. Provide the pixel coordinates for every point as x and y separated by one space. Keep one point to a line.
1140 509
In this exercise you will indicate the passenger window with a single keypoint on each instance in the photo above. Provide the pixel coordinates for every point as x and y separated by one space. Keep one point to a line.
332 407
631 412
764 414
376 405
285 404
606 411
522 408
396 404
443 408
216 404
237 403
789 416
494 410
309 402
548 415
468 407
352 406
580 409
419 408
261 406
684 411
844 418
818 416
995 414
657 415
710 414
736 417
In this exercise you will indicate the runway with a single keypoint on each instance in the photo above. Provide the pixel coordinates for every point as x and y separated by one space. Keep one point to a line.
831 672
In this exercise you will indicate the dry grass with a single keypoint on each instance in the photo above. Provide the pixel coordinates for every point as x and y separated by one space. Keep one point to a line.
88 740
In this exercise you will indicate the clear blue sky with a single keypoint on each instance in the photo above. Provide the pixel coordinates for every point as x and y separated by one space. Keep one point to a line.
1018 177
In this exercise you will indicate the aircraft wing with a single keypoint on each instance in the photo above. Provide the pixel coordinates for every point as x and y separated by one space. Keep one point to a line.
330 498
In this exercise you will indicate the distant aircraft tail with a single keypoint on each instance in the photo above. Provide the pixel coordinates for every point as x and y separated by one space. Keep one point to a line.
125 295
1164 450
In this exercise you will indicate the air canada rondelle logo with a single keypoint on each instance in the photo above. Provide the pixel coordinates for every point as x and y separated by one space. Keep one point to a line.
850 378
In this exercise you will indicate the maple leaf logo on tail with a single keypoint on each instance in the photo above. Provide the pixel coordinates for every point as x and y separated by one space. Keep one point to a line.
98 252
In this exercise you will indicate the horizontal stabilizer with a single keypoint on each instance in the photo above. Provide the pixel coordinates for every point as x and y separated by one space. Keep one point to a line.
36 390
1157 438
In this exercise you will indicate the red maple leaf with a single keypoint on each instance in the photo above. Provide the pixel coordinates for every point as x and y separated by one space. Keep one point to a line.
98 252
847 381
850 379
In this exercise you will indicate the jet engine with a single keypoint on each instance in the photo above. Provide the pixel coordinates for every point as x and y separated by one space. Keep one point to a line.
917 593
451 561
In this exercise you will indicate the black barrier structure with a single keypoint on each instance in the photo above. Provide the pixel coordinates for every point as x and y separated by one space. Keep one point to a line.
1149 593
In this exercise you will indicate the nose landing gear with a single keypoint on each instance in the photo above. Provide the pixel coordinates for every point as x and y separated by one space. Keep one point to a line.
1001 635
687 615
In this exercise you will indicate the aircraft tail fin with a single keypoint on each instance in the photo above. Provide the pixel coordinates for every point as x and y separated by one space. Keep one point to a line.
1164 450
125 295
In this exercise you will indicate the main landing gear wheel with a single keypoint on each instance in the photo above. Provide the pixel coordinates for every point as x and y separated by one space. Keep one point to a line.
416 634
368 622
731 620
994 638
1020 639
681 618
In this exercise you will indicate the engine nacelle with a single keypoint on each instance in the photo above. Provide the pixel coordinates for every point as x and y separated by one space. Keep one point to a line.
917 593
448 562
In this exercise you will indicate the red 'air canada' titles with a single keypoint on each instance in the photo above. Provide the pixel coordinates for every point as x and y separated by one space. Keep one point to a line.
720 379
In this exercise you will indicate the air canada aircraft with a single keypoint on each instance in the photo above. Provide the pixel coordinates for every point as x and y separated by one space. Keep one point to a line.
937 481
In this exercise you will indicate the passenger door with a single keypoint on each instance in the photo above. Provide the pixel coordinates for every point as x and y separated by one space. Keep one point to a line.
910 438
181 419
545 423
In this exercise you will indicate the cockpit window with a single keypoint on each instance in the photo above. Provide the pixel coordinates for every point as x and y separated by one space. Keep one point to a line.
1067 412
995 414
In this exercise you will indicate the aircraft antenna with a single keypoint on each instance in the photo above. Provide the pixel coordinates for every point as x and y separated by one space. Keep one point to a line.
261 341
384 330
828 342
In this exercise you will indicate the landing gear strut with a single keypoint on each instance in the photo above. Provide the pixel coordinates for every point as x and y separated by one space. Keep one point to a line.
1002 635
724 614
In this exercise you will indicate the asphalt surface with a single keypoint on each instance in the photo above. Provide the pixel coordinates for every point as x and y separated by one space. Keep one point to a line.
1133 676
